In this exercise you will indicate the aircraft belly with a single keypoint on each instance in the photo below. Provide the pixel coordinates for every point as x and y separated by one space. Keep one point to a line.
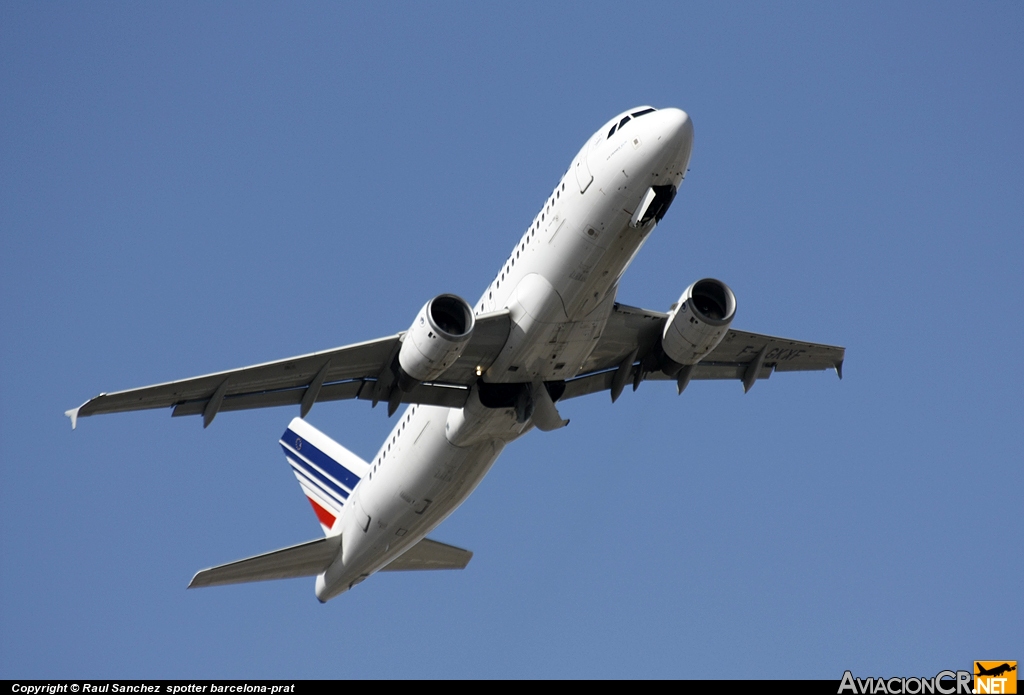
559 301
553 342
562 291
423 484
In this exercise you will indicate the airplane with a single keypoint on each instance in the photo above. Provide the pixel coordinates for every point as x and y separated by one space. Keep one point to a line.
476 377
994 671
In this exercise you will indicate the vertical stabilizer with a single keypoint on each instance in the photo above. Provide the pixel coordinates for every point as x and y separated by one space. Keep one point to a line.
327 471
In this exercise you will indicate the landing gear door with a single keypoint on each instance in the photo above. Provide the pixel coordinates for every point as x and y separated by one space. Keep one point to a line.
583 175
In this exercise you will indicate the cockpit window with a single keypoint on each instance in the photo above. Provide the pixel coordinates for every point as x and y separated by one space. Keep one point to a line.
626 119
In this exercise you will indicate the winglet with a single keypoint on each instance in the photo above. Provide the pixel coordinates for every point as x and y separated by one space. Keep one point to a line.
839 369
73 414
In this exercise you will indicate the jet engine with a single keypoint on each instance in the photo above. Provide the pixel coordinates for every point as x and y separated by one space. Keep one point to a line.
698 322
436 339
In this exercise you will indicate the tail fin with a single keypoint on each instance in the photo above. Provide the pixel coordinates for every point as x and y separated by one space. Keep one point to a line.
327 471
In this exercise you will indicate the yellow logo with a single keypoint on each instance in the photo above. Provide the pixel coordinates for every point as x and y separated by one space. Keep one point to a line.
995 677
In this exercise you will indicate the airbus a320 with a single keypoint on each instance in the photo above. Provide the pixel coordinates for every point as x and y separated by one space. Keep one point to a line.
474 378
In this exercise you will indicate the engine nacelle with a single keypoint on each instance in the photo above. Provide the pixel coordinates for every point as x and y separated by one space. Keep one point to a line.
436 339
699 321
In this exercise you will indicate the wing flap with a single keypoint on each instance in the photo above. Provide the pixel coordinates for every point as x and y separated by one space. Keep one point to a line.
430 555
602 381
303 560
268 399
446 395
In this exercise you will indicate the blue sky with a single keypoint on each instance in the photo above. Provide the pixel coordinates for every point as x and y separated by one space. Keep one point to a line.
189 187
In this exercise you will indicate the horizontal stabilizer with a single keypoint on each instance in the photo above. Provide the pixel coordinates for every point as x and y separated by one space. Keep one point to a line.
430 555
303 560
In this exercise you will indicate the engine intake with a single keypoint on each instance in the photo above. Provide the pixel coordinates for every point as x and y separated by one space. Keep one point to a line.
435 340
698 323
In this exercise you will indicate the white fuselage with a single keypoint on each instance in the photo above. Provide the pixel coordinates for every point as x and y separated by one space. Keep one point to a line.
559 286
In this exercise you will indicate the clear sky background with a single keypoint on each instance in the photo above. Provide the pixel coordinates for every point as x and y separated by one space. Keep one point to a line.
190 187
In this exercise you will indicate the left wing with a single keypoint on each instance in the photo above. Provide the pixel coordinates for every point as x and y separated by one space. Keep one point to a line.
628 352
364 371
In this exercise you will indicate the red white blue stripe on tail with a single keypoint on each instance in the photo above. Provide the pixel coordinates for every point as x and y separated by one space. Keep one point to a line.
327 471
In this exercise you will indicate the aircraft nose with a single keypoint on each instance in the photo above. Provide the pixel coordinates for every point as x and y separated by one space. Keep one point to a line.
677 130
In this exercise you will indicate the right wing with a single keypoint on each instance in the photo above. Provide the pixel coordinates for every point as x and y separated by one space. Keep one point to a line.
627 352
364 371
